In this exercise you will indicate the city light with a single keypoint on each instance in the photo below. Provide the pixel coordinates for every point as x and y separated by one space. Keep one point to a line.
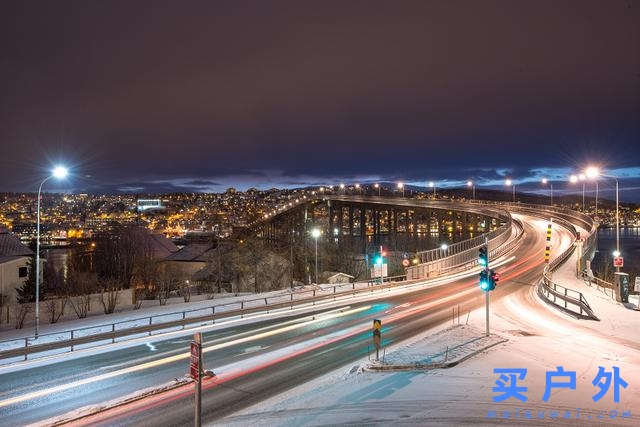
508 182
342 186
592 172
444 246
400 185
544 181
315 233
60 172
376 185
573 179
357 185
431 184
469 183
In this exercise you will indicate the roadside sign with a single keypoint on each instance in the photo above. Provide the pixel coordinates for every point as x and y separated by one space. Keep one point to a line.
636 287
618 262
379 270
377 336
194 366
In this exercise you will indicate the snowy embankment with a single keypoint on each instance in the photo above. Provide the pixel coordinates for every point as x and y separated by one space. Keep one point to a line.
538 341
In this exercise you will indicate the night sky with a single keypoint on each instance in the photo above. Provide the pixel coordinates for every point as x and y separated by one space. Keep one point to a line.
201 95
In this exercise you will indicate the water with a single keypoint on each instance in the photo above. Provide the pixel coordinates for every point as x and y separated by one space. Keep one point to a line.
629 247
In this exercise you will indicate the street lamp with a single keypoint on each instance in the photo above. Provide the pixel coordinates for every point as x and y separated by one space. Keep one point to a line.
358 187
593 173
473 188
545 182
401 186
376 185
433 185
315 233
576 178
509 183
59 172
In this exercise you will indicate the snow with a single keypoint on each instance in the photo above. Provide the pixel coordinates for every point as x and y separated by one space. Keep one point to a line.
106 345
539 339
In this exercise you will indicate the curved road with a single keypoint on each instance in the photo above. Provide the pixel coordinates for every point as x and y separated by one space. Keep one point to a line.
257 360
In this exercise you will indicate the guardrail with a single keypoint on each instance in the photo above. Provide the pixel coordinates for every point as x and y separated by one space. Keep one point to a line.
602 285
573 302
103 334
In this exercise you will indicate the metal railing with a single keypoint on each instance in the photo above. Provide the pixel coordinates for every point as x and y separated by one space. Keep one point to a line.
602 285
145 326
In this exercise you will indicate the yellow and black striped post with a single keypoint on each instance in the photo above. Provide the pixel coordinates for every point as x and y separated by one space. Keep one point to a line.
547 249
377 338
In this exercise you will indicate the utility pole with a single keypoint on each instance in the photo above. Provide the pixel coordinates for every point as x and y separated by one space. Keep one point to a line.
196 374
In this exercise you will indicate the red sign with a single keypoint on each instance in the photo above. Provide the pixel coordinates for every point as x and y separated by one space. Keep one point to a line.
405 262
618 262
194 366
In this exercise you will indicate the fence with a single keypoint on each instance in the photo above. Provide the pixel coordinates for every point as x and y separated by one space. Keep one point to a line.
145 326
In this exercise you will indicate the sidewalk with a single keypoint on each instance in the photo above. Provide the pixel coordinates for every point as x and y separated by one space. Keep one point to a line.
615 318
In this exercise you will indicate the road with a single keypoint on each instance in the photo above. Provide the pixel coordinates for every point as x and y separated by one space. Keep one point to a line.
260 359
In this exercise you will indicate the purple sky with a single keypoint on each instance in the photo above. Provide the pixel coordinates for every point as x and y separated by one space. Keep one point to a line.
201 95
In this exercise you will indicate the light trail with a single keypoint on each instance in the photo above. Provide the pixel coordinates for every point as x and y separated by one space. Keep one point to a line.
170 359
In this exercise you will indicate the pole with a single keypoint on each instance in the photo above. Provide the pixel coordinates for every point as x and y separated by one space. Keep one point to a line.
487 311
583 185
474 192
38 260
617 223
434 191
316 260
198 415
514 193
486 268
551 194
596 198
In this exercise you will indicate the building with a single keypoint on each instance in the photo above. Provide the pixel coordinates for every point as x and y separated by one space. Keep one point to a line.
149 204
14 267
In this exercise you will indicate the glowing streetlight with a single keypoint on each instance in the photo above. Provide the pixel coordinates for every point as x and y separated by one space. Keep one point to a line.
444 246
58 172
433 185
509 183
581 177
545 181
593 173
315 233
573 179
376 185
401 186
616 253
473 188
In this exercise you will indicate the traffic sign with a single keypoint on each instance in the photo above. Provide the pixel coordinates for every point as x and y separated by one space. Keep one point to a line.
618 262
377 327
194 366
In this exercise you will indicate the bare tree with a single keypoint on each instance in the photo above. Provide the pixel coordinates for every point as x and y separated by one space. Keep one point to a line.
109 293
81 286
20 312
166 282
184 289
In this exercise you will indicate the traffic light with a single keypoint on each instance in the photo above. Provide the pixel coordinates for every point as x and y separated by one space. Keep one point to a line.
485 280
483 256
495 278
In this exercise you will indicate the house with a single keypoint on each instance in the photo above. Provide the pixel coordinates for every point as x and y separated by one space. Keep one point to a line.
190 259
336 277
14 266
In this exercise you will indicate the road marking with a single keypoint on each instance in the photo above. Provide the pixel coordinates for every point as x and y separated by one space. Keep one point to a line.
166 360
151 346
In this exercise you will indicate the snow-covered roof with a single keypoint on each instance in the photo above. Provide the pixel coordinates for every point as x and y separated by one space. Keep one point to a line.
11 247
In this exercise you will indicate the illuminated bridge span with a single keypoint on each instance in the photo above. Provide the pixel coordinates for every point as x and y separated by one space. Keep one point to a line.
415 227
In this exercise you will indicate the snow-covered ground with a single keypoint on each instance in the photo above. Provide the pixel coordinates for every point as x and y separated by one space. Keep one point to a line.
617 319
540 339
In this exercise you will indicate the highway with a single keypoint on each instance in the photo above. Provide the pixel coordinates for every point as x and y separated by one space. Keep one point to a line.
256 360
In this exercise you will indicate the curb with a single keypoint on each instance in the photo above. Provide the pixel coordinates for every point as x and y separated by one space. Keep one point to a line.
93 410
430 366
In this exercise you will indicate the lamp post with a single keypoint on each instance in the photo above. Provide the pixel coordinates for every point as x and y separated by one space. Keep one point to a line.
401 186
473 188
508 183
593 172
544 182
59 172
433 185
376 185
315 233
